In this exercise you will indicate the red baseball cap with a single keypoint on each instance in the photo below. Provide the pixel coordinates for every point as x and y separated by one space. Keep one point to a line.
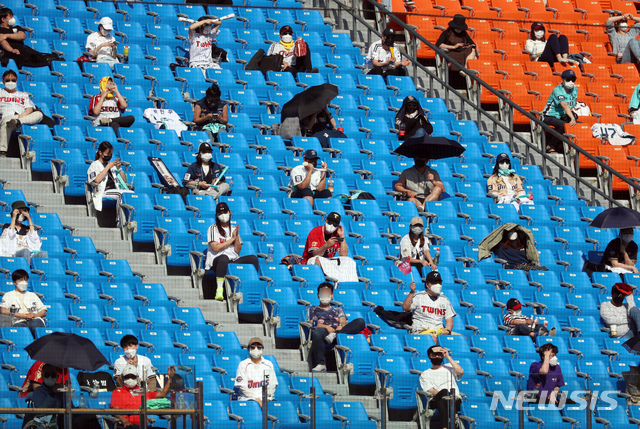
624 288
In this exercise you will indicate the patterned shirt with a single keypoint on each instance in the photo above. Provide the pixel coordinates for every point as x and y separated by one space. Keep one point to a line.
327 316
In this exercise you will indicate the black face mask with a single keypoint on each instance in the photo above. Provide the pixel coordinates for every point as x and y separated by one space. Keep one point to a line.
420 162
107 158
617 299
388 42
436 361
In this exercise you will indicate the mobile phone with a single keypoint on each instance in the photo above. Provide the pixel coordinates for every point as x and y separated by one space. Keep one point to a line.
339 239
115 42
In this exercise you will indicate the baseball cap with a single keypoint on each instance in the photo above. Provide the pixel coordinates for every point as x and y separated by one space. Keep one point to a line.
19 205
255 340
130 370
334 218
286 30
106 23
624 288
434 277
222 207
204 147
417 220
537 25
501 158
513 304
568 74
310 154
389 32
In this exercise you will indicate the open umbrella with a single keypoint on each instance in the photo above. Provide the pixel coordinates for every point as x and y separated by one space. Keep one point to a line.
430 148
617 218
309 101
67 351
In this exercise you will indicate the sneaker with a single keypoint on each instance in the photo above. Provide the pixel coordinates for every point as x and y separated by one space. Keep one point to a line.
543 332
329 338
552 332
106 121
319 368
3 154
14 124
219 294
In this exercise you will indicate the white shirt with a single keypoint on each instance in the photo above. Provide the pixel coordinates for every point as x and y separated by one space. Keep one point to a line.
288 57
96 39
377 52
299 173
250 378
536 47
618 316
427 313
200 50
214 235
166 118
25 302
417 252
109 109
442 378
11 241
98 189
14 103
145 368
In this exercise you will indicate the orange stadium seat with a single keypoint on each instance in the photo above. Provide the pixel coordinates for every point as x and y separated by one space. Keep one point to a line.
541 89
478 8
510 69
624 91
581 135
538 70
487 50
616 157
593 30
596 52
480 29
503 7
621 7
511 49
625 72
507 29
601 92
596 71
425 7
592 9
448 7
534 8
516 90
608 113
424 27
487 72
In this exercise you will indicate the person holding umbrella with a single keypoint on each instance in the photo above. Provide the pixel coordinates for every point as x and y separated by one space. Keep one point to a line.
622 318
308 182
126 397
420 183
309 108
621 254
411 120
25 308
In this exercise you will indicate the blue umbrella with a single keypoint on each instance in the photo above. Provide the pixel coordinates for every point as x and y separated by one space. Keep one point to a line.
617 218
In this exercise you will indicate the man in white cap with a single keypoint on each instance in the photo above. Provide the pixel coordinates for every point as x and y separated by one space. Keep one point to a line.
128 397
253 373
430 307
102 45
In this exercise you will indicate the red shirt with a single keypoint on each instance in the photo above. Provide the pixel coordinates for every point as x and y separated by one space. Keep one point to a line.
316 240
123 398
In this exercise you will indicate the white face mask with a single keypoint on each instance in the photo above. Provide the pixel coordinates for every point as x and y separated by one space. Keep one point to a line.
206 157
130 353
553 361
569 84
324 300
304 164
10 85
437 288
286 38
503 165
513 236
416 229
539 34
206 31
22 218
517 312
22 286
330 228
50 381
104 32
255 353
131 383
224 218
623 26
627 237
12 21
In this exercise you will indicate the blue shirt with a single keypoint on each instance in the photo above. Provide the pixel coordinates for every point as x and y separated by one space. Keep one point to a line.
194 172
558 95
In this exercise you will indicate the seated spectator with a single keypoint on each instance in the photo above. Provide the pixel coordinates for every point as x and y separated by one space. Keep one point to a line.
101 44
326 246
16 108
19 240
545 376
108 106
211 113
25 308
129 344
34 378
328 321
416 245
506 185
438 382
296 55
411 120
554 49
430 307
623 39
253 373
557 111
205 174
522 325
221 253
622 318
384 56
457 43
512 248
126 397
12 45
621 254
420 183
202 36
308 182
320 121
634 105
108 180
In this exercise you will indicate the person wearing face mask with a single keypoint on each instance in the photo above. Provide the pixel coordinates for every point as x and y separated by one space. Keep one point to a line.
420 183
411 120
620 314
505 185
416 245
129 344
35 378
545 376
558 110
550 50
225 245
211 113
204 172
439 380
296 55
18 239
384 56
307 181
621 254
102 45
326 246
327 322
253 373
429 307
107 107
128 396
16 109
24 307
521 325
623 38
202 36
457 43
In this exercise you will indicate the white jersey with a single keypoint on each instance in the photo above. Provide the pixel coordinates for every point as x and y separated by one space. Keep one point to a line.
299 173
377 52
96 39
427 313
14 103
214 235
23 302
145 368
442 378
288 57
200 50
417 252
250 378
166 118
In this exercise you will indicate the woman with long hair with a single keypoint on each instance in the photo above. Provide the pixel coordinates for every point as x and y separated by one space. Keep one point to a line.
552 50
457 42
225 246
211 113
107 179
416 246
505 185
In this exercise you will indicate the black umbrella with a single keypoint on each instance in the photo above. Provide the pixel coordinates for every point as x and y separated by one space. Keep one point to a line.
309 101
617 218
67 351
430 148
632 345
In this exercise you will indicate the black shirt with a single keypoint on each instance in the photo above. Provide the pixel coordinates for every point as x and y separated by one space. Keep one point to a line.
613 251
15 44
